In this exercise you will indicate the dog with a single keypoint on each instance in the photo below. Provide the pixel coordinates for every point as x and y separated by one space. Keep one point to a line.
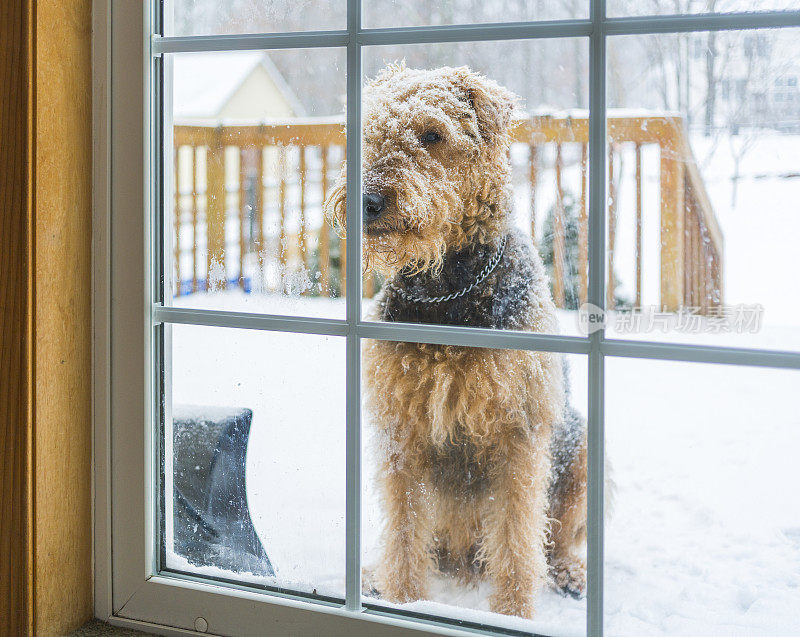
483 461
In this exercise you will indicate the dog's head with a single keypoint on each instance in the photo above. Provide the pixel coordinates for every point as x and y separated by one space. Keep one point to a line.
435 165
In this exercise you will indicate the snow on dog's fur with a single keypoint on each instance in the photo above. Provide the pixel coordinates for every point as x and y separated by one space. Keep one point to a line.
484 463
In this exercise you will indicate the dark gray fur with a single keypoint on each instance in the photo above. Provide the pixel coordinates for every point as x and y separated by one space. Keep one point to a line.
502 301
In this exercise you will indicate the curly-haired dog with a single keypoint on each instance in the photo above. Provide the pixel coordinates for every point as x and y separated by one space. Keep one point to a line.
480 448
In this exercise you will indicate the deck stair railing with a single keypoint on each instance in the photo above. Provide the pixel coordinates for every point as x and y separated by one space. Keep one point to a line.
254 193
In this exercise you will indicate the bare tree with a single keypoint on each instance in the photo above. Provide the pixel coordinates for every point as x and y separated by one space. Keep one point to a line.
740 127
711 75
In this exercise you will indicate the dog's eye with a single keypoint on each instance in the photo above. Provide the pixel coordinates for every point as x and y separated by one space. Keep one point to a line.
430 137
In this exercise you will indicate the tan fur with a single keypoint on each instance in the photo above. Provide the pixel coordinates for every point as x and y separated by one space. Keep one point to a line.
465 433
491 412
453 203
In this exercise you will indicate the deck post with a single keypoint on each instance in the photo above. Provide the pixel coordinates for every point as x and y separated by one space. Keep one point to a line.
638 157
195 216
324 233
558 234
583 228
672 222
176 227
283 247
242 213
215 212
611 284
259 216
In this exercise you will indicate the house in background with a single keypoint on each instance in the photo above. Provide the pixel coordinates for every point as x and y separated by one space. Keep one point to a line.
238 86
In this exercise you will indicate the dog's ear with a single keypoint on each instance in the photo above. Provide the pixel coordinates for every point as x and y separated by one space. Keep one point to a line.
493 105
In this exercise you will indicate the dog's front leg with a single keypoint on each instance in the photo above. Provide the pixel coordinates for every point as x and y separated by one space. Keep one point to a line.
403 571
513 548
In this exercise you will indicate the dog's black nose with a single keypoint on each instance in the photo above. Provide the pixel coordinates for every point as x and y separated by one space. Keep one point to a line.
374 205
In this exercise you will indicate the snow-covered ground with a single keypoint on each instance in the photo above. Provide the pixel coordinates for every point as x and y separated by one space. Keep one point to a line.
704 538
705 534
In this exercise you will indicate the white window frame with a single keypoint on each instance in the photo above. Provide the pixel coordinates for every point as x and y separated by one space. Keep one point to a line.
129 591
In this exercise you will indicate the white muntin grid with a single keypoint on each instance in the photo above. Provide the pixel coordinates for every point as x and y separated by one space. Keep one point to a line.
597 28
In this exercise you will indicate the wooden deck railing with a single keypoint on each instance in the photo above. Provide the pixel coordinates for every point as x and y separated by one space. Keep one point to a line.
218 197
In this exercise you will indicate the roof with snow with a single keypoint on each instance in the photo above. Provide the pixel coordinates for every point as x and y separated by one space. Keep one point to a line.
205 82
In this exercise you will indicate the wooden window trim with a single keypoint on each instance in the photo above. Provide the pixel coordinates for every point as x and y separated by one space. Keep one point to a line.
45 317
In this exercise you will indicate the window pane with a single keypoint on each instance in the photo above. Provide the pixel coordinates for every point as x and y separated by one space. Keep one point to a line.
475 176
703 221
212 17
703 537
254 458
258 141
650 7
401 13
458 479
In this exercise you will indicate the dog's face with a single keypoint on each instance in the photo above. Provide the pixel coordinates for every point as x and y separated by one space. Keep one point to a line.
435 165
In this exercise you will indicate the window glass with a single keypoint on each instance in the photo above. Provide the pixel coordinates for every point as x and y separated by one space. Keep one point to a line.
222 17
475 178
702 536
254 458
474 203
650 7
703 220
258 138
469 455
396 13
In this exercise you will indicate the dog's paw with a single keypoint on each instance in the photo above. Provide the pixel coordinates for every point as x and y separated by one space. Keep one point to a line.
402 592
511 603
400 588
569 576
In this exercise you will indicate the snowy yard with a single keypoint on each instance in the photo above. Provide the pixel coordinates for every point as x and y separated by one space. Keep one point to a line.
704 538
705 534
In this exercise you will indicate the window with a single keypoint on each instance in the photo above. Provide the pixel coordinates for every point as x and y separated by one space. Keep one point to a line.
638 192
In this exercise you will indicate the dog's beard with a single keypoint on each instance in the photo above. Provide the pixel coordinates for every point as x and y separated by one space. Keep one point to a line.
410 251
413 236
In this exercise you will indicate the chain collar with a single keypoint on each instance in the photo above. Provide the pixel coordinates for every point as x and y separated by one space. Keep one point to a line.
487 270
